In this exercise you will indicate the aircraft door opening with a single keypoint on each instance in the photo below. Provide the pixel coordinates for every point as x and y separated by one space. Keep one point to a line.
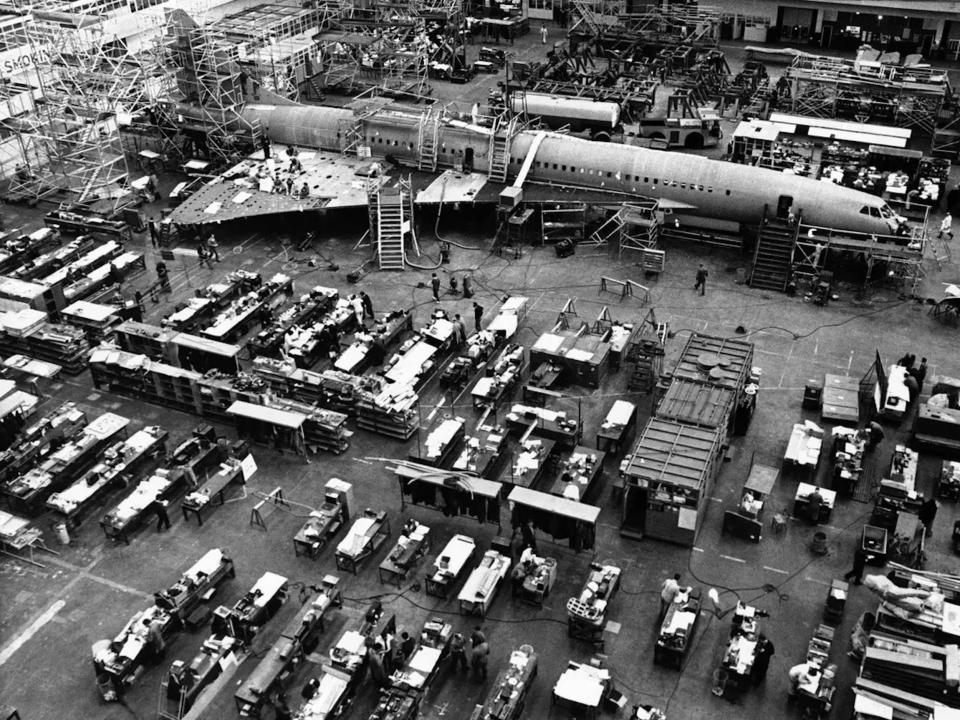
783 206
468 160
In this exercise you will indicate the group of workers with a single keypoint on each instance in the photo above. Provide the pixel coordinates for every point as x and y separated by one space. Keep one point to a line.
916 374
467 285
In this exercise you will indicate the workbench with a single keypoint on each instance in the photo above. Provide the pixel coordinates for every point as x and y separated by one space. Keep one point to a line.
118 463
508 693
480 589
618 427
803 448
320 526
440 333
118 523
533 577
261 602
19 538
24 365
412 545
235 320
677 629
826 505
35 441
275 669
188 462
194 584
587 612
736 667
483 452
534 460
419 670
201 500
307 344
397 704
441 444
120 657
849 448
500 379
413 364
305 310
582 688
184 682
356 358
578 475
65 464
332 695
362 540
544 423
449 566
897 398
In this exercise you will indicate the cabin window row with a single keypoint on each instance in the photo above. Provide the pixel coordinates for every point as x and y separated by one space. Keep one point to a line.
628 178
387 141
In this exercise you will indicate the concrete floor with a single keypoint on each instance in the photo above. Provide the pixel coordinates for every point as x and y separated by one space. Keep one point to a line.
51 616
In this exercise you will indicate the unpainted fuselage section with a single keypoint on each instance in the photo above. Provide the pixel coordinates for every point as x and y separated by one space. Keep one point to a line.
684 183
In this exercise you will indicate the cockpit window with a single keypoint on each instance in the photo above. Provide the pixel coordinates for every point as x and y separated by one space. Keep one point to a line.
865 210
886 212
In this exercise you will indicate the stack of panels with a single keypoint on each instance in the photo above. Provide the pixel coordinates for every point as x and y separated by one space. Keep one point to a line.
913 667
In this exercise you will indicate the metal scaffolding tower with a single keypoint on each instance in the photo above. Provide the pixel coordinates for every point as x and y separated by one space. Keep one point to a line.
828 87
211 86
90 85
278 43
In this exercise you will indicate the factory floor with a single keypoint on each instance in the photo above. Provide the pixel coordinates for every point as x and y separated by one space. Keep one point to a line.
50 616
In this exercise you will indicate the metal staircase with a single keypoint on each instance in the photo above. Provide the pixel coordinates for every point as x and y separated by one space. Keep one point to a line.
774 254
634 226
391 217
390 229
587 16
500 149
429 139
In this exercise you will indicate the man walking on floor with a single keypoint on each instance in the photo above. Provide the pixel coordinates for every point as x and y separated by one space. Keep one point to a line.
213 248
477 315
859 563
435 284
701 279
163 520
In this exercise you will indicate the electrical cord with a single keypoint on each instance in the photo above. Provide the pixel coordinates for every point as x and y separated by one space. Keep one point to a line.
769 588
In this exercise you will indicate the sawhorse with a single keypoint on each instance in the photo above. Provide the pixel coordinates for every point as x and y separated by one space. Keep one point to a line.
628 288
275 497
